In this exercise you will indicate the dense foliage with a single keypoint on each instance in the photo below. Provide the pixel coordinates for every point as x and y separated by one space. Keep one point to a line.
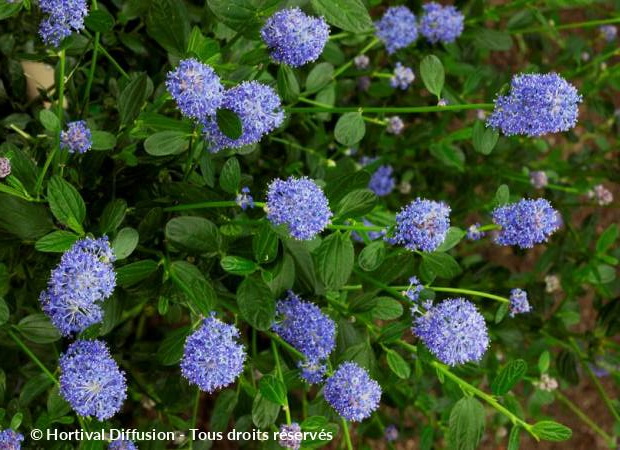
338 223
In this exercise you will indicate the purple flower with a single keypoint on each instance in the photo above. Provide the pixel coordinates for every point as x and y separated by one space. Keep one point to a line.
11 440
295 38
304 326
395 125
403 77
397 28
539 179
244 199
5 167
122 445
441 23
454 331
537 104
196 88
414 289
312 371
518 302
300 204
422 225
474 233
259 108
382 182
609 32
79 284
361 62
352 393
91 381
391 433
213 358
290 436
526 222
77 138
64 17
601 194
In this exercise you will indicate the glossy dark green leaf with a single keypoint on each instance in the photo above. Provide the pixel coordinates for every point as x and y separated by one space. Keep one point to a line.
56 242
350 129
230 176
466 424
350 15
433 74
229 123
194 234
38 329
257 303
548 430
66 204
334 260
238 265
166 143
509 376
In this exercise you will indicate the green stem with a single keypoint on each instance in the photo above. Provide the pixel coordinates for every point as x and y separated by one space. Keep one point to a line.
375 120
583 416
286 345
490 227
205 205
93 66
349 63
276 357
381 75
567 26
32 356
388 109
347 436
356 227
379 284
195 413
469 292
109 57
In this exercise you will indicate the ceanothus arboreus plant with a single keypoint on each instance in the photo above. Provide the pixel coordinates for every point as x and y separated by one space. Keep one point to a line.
344 223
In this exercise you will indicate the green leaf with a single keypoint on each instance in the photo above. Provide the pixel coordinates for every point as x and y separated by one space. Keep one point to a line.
371 256
171 349
256 302
513 439
314 423
4 315
356 203
488 39
288 86
350 129
132 98
9 9
238 266
334 260
441 265
99 20
193 283
243 16
125 242
230 177
484 138
387 308
135 272
548 430
166 143
265 244
112 216
319 77
102 140
49 120
453 237
543 361
264 412
502 195
509 376
193 234
167 21
433 74
229 123
466 425
222 410
56 405
273 389
398 365
26 220
350 15
206 49
38 329
66 204
450 155
607 238
56 242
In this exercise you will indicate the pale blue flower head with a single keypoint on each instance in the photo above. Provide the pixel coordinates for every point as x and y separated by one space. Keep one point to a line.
397 28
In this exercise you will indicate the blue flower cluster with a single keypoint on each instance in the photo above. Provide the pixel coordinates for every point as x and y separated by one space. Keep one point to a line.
122 445
474 233
84 278
518 302
536 105
403 77
213 358
352 393
454 331
441 23
290 436
5 167
526 222
382 182
63 17
244 199
397 28
11 440
259 108
422 225
295 38
609 32
304 326
395 125
91 381
196 88
77 138
300 204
